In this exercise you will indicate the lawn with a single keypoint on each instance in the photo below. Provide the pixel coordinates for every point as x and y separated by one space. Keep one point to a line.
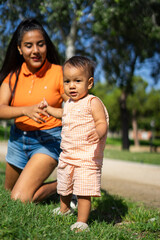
112 218
141 157
113 151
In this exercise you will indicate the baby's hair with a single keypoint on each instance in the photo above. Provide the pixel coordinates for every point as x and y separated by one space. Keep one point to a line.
84 62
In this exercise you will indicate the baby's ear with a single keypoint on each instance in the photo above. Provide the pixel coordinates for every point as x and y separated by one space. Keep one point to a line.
90 82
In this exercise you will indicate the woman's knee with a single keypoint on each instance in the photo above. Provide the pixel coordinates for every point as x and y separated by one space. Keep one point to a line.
20 195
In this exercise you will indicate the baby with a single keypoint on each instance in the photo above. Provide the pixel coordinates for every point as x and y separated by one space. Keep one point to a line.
85 122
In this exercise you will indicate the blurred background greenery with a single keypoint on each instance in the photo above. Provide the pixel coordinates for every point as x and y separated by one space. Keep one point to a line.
122 37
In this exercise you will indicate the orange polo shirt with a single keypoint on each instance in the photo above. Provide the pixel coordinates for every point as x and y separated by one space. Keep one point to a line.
33 88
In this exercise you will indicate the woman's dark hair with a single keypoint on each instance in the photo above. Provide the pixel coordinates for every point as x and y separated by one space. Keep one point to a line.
84 62
13 60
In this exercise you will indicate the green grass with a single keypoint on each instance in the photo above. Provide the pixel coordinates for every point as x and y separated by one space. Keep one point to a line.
118 142
141 157
112 218
4 133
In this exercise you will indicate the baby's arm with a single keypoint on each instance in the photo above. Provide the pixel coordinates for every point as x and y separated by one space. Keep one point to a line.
55 112
99 119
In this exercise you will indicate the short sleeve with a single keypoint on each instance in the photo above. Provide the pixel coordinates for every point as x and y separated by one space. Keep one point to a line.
61 82
13 79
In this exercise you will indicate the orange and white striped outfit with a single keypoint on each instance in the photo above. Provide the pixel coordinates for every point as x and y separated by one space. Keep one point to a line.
80 162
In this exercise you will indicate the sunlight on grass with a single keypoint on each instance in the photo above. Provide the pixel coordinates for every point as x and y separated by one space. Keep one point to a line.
141 157
111 218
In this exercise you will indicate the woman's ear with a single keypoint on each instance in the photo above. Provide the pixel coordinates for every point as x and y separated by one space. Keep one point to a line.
90 82
19 49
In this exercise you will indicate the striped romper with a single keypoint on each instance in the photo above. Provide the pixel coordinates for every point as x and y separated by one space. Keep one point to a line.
80 162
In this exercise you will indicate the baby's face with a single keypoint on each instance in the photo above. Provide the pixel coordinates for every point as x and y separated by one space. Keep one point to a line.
76 82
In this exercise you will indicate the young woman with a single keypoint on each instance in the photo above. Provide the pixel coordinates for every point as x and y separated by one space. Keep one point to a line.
30 73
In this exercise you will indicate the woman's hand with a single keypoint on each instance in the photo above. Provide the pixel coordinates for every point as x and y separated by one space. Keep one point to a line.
35 113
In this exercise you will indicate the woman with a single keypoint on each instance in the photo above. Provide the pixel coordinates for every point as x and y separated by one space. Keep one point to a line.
30 73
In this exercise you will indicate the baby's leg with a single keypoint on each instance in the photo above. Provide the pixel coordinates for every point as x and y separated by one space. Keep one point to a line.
84 207
65 203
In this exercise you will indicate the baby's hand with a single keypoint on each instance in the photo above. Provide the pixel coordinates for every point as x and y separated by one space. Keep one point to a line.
93 137
43 104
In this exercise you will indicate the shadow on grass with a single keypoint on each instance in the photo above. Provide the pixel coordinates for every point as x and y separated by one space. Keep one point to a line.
108 208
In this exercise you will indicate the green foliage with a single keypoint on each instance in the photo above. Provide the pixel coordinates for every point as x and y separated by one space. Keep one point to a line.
136 100
68 18
4 133
110 97
141 157
153 108
144 105
128 33
118 33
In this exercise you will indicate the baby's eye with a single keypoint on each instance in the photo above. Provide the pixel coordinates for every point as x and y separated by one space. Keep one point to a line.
78 80
66 81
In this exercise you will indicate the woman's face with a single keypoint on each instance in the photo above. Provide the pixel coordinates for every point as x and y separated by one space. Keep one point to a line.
33 49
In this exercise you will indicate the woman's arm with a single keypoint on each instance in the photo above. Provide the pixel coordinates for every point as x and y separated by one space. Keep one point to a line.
9 112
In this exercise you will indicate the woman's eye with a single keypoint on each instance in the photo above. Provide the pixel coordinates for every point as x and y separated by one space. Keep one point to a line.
28 45
41 44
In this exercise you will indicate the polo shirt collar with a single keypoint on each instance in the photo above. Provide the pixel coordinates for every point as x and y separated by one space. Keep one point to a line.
40 73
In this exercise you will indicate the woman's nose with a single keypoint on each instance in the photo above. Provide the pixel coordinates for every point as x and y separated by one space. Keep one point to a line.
35 48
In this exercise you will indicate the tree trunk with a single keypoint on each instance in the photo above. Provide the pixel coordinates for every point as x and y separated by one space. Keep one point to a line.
71 38
124 121
135 128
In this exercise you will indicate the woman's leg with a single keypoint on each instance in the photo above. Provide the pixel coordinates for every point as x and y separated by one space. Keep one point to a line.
84 207
11 176
29 186
45 191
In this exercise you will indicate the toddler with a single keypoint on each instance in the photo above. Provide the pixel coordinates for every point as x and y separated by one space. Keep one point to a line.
85 122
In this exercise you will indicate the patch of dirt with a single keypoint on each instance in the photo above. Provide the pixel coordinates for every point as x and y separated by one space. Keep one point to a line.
148 194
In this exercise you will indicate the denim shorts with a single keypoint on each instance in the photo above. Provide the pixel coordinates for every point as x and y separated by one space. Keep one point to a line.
22 145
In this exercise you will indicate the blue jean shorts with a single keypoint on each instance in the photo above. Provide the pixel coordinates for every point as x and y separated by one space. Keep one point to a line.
23 145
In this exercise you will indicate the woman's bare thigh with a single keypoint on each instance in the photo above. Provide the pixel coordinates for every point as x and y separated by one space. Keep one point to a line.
37 170
11 176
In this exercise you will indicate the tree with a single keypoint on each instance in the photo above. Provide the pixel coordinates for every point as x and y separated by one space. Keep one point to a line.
64 21
153 109
129 33
124 33
68 19
109 96
136 104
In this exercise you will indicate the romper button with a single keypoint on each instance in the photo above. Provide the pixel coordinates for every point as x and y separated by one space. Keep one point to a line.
25 133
